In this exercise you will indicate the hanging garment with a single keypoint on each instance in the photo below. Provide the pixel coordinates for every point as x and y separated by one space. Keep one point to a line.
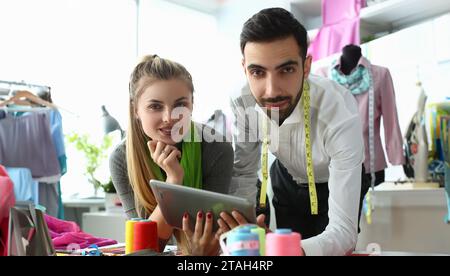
331 39
340 27
58 138
50 193
25 188
7 201
49 197
385 106
26 142
334 11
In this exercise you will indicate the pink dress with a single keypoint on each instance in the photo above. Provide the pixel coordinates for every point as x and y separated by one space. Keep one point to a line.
340 27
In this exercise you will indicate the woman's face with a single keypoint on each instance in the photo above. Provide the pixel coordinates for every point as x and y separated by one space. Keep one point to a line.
164 110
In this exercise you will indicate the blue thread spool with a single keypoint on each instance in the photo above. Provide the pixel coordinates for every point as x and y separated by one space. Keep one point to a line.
261 232
241 242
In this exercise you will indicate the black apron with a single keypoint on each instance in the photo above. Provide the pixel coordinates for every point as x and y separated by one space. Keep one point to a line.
292 204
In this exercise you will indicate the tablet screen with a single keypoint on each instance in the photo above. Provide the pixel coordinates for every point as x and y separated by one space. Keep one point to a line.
174 200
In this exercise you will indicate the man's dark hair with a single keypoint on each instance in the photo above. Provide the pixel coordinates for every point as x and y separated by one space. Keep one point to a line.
272 24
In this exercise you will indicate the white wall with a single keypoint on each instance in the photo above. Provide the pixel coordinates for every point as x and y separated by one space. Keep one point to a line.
192 39
230 20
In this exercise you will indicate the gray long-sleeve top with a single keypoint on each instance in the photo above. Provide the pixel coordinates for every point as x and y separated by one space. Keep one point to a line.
217 166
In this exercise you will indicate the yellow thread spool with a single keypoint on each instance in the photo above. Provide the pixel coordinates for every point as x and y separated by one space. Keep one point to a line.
129 235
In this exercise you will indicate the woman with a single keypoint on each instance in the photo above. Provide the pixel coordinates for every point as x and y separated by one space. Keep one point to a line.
159 145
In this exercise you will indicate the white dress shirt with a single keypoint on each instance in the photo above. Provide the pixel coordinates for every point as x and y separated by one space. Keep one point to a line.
337 150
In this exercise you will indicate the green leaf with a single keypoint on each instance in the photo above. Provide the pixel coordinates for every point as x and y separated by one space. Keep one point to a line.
94 156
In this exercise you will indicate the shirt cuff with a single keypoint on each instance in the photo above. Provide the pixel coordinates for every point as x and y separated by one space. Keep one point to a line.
311 247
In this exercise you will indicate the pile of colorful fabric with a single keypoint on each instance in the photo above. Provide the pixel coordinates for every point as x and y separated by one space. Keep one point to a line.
67 235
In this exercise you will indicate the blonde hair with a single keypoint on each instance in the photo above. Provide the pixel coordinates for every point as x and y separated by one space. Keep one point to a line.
150 69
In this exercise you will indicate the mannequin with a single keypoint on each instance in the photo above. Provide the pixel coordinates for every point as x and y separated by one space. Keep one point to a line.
357 74
373 90
351 54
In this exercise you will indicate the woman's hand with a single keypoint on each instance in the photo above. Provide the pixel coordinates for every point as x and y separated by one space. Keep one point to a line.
203 242
167 157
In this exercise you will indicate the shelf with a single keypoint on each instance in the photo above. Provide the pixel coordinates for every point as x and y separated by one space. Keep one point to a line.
397 14
388 16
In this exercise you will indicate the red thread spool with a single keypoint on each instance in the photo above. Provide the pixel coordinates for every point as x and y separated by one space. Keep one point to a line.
145 236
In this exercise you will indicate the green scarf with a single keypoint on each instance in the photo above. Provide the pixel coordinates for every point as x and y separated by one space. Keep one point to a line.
191 161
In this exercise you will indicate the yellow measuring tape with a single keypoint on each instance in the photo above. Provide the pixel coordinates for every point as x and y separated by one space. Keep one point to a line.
309 163
264 165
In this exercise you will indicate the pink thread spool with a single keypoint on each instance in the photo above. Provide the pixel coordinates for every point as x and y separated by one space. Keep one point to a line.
283 242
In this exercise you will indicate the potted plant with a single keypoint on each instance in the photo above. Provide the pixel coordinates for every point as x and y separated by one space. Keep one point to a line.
109 188
94 155
112 200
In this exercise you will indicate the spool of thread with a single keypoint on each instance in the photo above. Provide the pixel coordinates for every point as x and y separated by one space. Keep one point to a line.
129 234
145 236
261 232
242 242
283 242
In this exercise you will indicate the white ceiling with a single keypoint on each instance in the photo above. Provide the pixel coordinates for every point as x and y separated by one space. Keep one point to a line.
207 6
309 8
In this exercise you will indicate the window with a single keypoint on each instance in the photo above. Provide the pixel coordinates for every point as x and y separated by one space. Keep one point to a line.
193 39
84 50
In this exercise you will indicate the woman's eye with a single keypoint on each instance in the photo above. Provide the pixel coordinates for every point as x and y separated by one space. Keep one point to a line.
181 104
155 106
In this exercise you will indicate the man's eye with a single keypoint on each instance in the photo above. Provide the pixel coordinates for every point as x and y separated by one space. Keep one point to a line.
288 70
257 73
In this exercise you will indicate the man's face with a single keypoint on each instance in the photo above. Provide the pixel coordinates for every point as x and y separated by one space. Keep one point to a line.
275 73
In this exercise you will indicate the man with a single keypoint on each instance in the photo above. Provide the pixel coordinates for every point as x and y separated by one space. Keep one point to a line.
324 206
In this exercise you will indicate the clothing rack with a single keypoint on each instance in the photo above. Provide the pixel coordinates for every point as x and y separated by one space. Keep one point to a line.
7 87
23 83
23 109
6 92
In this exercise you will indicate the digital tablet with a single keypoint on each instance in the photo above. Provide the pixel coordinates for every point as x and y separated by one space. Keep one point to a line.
174 200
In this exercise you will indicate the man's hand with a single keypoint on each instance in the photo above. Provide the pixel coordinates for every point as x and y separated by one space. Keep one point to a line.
227 222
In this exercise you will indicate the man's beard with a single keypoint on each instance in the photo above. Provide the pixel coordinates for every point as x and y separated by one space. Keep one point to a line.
281 115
